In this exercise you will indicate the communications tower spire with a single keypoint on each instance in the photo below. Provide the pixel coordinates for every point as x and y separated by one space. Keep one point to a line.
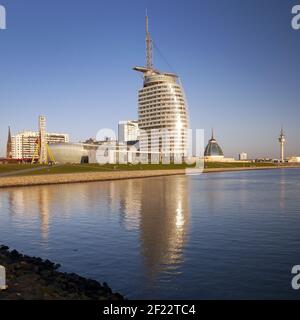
149 63
282 142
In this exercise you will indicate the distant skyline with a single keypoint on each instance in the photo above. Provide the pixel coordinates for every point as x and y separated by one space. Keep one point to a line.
72 62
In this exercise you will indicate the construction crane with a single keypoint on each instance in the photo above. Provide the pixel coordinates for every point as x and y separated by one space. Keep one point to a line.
49 159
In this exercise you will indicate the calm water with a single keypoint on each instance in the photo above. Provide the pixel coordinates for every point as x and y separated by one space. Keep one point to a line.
223 235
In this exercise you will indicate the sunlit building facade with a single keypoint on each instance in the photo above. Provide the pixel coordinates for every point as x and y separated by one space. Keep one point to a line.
128 131
163 115
24 143
243 156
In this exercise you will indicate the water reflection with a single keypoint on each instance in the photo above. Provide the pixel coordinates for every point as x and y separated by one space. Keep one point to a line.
282 187
125 197
43 205
157 209
27 205
164 223
169 237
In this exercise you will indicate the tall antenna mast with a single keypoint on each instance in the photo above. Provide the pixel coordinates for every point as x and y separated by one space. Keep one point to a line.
148 45
282 142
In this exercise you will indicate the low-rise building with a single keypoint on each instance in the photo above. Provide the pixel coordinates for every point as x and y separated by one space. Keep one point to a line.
293 159
243 156
128 131
24 143
102 152
214 153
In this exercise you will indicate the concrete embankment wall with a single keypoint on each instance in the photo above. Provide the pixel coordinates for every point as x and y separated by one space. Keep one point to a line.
34 180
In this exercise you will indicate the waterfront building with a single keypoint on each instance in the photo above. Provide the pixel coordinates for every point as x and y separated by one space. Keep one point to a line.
293 159
9 145
108 151
243 156
128 131
213 152
266 159
282 142
72 152
163 114
24 143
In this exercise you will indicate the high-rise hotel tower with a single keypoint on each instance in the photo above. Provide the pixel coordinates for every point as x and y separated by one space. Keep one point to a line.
163 115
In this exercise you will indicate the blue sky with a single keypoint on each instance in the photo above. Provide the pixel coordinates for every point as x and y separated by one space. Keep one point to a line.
72 61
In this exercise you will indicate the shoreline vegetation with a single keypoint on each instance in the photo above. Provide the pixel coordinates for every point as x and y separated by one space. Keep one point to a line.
31 278
17 175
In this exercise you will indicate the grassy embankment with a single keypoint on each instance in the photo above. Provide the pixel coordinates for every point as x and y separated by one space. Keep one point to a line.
28 169
6 168
211 165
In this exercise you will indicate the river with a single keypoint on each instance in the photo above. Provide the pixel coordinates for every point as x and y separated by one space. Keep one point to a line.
211 236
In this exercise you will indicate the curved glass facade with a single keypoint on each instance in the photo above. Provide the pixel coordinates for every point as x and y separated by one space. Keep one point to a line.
163 116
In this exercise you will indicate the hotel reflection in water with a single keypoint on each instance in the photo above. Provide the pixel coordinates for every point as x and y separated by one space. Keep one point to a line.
157 209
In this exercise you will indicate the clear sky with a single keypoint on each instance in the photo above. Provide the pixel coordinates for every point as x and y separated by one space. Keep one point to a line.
239 62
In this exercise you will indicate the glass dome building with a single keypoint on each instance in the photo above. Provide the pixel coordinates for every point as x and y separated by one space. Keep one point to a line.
213 151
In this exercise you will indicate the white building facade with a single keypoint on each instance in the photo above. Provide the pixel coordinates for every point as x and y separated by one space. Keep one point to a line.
163 114
293 159
128 131
243 156
163 118
24 143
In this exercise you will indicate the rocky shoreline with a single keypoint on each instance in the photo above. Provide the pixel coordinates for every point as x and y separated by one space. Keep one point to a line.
31 278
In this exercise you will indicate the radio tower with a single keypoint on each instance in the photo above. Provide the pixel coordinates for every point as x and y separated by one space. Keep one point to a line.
149 64
282 142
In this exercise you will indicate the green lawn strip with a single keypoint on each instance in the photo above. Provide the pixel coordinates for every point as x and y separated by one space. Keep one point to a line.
98 168
78 168
213 165
5 168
